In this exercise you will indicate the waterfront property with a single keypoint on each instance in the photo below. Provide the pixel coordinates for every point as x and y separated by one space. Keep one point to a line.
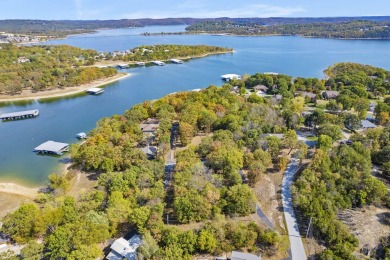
158 63
228 77
51 147
95 91
19 115
176 61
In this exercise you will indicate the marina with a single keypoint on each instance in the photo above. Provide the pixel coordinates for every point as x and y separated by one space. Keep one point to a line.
51 147
95 91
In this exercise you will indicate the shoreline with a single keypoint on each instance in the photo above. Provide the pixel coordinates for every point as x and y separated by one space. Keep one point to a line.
57 93
17 189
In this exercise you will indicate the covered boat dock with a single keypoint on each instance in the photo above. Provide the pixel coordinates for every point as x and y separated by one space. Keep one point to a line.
19 115
51 147
228 77
95 91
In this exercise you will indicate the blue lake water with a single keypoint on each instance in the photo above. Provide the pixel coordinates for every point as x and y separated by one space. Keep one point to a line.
62 118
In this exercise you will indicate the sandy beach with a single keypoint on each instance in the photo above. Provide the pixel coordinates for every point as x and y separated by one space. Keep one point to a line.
28 95
13 188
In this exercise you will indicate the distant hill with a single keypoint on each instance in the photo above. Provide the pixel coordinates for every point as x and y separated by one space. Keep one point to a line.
61 28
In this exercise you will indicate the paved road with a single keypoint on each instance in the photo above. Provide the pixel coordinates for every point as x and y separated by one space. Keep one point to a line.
296 245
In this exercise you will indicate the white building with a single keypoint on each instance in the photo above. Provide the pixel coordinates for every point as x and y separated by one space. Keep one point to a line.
122 248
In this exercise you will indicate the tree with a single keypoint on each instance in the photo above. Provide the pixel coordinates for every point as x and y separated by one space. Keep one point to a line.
207 241
186 132
20 225
59 182
290 140
385 168
352 122
282 163
273 146
138 218
239 199
325 142
32 251
330 130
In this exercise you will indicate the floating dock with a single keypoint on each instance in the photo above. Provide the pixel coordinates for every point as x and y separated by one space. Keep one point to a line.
140 63
95 91
176 61
158 63
123 66
228 77
19 115
51 147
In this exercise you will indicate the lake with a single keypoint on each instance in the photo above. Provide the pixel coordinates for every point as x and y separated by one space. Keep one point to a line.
61 119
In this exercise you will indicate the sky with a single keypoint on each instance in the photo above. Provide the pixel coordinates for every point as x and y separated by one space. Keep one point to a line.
132 9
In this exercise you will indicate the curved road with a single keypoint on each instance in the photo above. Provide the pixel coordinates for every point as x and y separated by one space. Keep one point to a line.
296 245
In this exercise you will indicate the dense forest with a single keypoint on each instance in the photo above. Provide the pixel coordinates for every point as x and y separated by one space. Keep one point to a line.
202 206
61 28
46 67
343 30
165 52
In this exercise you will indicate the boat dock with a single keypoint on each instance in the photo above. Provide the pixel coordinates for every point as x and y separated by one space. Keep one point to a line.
95 91
81 135
158 63
228 77
19 115
122 66
51 147
140 63
176 61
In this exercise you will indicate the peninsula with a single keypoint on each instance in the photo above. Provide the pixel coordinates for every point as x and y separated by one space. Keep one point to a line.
34 72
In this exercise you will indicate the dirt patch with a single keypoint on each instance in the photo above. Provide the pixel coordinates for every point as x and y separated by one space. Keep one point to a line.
81 182
268 195
368 224
11 202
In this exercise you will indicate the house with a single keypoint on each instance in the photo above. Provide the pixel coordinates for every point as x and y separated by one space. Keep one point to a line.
244 256
330 94
150 151
277 98
150 125
305 95
367 125
23 60
260 88
125 249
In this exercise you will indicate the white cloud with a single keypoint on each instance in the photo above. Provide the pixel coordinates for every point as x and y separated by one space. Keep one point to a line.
199 11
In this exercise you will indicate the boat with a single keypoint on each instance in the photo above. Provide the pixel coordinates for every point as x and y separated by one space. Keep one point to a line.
81 135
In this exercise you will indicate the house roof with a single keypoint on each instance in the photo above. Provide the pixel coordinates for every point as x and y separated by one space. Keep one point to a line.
149 150
331 93
260 87
123 248
244 256
367 124
307 94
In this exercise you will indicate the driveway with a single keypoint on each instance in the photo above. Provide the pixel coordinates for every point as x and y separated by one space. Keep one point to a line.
296 245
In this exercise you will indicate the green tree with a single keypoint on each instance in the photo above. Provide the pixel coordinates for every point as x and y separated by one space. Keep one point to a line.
325 142
352 122
207 241
239 200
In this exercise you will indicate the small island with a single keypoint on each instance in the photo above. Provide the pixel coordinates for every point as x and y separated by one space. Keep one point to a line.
30 72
